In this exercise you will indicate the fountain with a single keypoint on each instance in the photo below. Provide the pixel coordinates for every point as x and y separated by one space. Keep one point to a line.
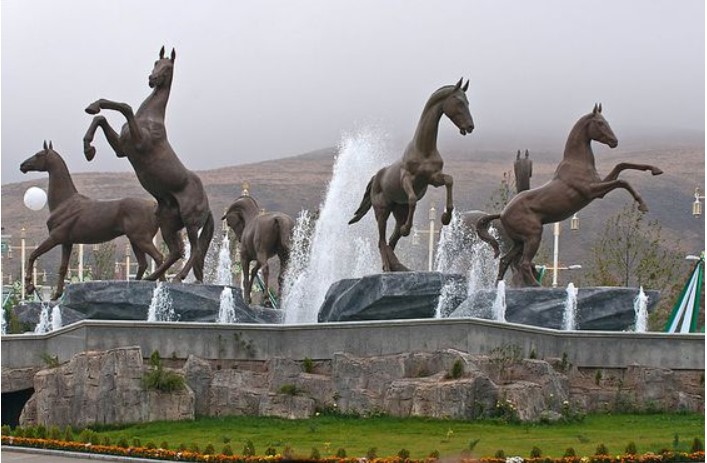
227 311
569 316
499 303
56 318
3 323
160 309
44 324
223 268
640 307
312 273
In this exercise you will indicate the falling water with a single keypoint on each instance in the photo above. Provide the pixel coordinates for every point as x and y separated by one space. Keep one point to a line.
161 309
56 318
223 270
337 250
3 323
499 304
640 306
569 316
44 325
226 309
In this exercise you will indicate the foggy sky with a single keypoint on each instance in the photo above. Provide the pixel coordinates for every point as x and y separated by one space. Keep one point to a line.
257 80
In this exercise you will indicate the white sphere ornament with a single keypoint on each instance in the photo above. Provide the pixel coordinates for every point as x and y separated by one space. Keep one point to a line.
35 198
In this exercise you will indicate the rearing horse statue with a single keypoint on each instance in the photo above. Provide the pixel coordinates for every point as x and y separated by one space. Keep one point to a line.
397 188
575 184
181 198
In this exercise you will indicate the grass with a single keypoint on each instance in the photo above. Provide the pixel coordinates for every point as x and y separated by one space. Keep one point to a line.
650 433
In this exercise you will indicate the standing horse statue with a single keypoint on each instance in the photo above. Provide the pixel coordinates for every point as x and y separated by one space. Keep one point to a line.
574 185
181 198
397 188
261 236
77 219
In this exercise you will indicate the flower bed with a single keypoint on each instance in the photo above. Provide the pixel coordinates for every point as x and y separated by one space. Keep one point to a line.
186 455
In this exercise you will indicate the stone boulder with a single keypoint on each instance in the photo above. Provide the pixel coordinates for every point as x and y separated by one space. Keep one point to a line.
130 300
102 388
386 296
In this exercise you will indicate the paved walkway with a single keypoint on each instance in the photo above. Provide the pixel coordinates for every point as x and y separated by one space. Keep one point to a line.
20 455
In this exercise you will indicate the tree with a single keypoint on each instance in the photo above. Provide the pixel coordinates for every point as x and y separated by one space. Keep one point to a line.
500 197
632 252
103 261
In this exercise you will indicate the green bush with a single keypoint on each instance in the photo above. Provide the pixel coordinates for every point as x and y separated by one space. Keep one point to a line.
19 432
248 449
68 434
372 453
308 365
631 449
697 445
227 450
209 450
150 445
457 369
535 452
106 441
404 454
123 443
164 445
5 430
570 452
434 454
601 450
160 379
271 451
41 432
30 433
341 453
499 454
314 454
54 433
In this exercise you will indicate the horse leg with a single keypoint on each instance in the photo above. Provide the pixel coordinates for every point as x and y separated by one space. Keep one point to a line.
65 255
110 134
614 174
599 190
438 180
509 258
531 244
284 255
406 182
193 235
263 261
141 260
46 245
170 226
400 212
382 215
122 108
246 282
253 276
149 248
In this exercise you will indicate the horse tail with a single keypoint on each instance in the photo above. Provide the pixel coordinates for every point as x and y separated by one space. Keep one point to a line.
365 203
482 229
283 230
207 233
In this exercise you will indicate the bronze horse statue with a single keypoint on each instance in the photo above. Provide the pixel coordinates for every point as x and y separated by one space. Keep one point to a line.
261 236
397 188
575 184
77 219
181 198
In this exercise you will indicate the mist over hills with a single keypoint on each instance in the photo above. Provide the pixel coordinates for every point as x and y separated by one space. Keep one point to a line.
477 163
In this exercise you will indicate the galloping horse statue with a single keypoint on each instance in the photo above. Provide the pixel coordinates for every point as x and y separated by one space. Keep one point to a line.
261 236
397 188
574 185
181 198
77 219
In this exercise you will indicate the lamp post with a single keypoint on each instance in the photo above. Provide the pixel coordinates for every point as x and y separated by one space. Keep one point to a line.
431 242
127 262
697 205
574 225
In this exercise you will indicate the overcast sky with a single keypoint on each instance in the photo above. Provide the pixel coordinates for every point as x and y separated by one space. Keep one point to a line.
257 80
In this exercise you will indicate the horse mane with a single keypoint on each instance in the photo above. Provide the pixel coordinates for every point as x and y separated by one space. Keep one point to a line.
237 204
439 94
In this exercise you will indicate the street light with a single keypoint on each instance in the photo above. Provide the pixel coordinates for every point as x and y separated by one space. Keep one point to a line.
697 205
431 243
574 225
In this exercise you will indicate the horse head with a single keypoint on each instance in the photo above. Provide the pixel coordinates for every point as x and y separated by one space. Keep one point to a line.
162 72
40 161
456 108
239 213
598 128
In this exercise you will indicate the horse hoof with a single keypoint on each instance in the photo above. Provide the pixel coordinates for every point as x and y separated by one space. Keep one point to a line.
656 171
93 108
446 218
89 152
404 230
56 296
643 208
29 288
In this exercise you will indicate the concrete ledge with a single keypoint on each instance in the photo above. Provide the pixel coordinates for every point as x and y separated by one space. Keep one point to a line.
320 341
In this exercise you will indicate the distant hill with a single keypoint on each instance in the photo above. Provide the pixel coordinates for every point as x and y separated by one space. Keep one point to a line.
300 182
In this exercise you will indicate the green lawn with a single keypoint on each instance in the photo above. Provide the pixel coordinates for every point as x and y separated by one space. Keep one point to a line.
650 433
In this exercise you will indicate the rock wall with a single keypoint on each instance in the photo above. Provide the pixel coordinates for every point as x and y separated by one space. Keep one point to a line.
106 387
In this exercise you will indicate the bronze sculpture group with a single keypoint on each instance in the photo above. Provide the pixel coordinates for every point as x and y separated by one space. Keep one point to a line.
182 203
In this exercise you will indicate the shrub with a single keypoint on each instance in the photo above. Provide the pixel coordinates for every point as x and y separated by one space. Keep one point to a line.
54 433
288 453
160 379
271 451
227 450
122 443
570 452
5 430
404 454
289 389
150 445
457 369
68 434
136 442
500 454
209 450
472 444
249 449
372 453
106 441
314 454
597 377
601 450
535 452
30 433
164 445
41 432
631 449
341 453
697 445
19 432
434 454
308 365
194 448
